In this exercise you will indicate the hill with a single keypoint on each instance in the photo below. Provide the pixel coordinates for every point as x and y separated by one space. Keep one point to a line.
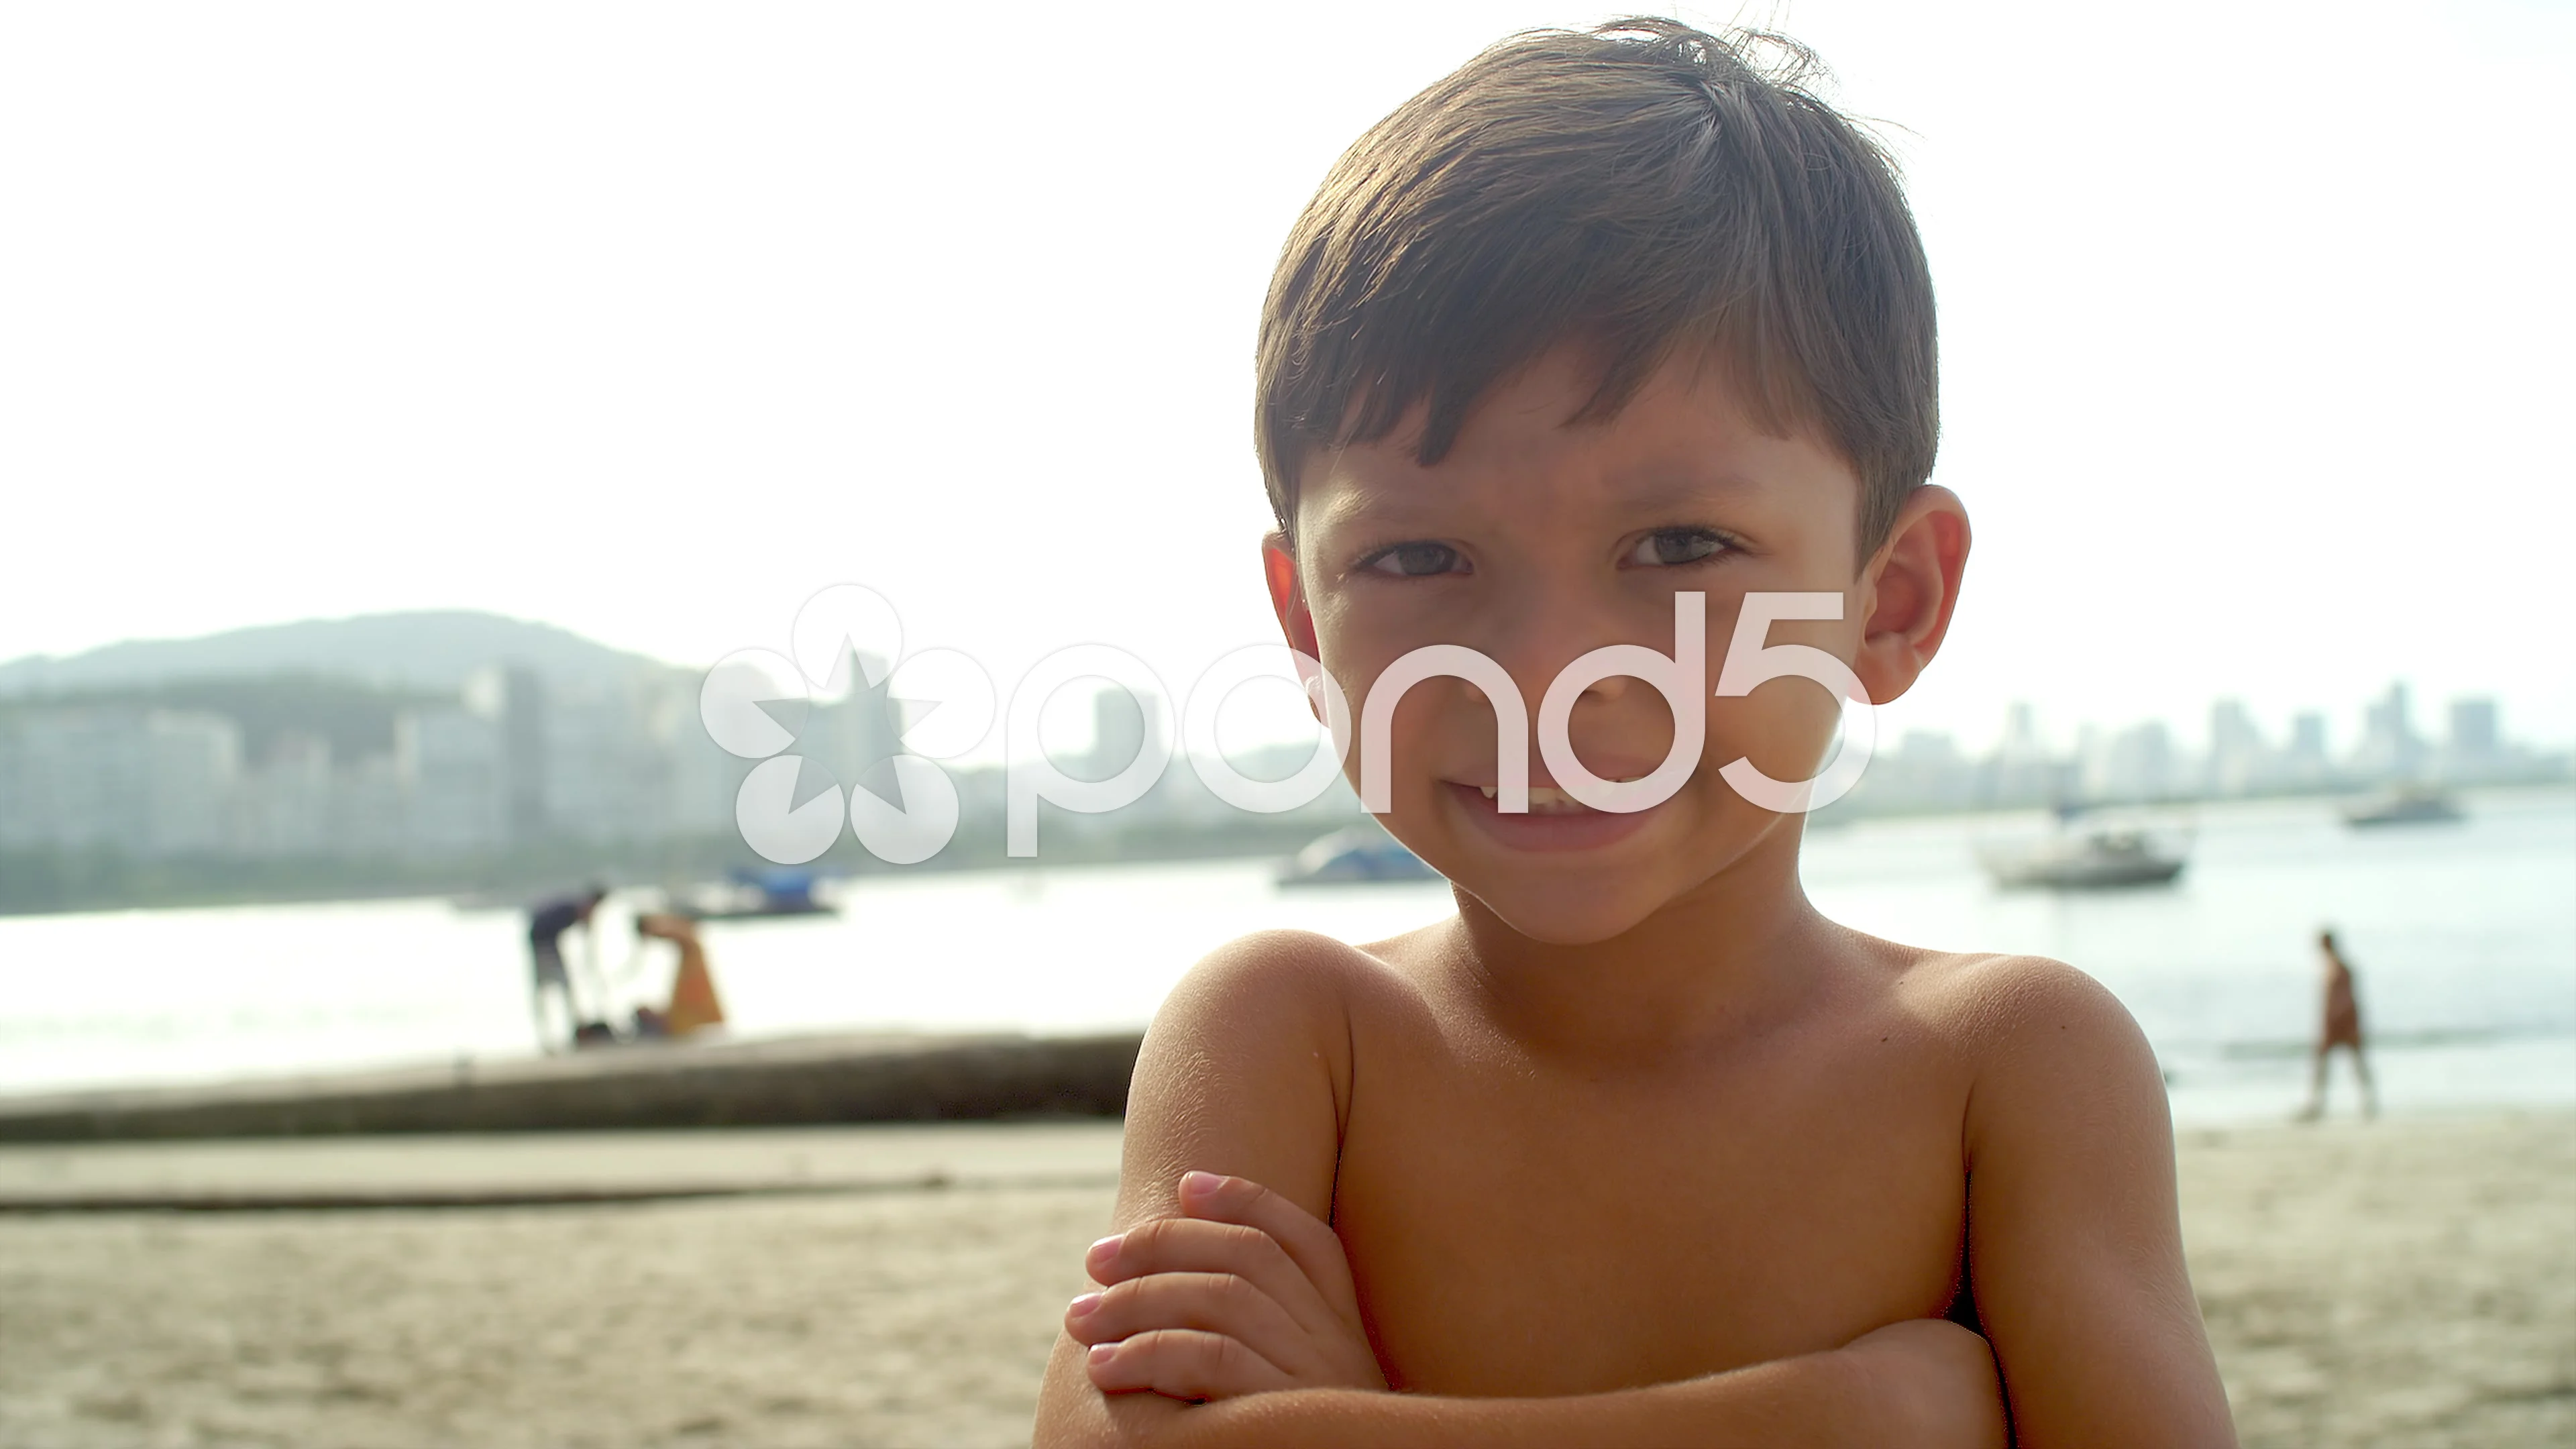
421 650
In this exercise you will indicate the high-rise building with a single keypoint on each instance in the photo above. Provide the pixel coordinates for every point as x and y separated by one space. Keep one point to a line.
2476 743
370 811
2236 753
1122 727
525 814
2306 761
138 781
1926 770
607 776
2135 764
285 803
2021 772
195 770
450 760
2390 748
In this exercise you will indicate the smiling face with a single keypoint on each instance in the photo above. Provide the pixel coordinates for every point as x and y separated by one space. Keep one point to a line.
1534 542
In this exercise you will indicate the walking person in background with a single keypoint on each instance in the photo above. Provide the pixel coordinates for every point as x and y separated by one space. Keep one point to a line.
547 923
2341 1028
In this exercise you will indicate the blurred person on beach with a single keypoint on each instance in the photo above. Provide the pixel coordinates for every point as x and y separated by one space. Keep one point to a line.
548 921
1597 342
2340 1028
693 1005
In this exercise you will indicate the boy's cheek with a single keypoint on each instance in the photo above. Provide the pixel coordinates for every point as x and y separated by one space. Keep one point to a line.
1784 728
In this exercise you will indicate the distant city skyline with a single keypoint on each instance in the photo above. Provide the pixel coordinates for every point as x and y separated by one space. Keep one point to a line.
2235 756
309 756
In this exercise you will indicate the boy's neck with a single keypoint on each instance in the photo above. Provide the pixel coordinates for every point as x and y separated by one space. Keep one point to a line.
1732 954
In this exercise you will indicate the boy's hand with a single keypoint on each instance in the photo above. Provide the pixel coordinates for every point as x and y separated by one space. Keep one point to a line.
1246 1293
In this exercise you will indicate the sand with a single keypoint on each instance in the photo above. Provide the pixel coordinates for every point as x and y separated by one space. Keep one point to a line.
2407 1283
2401 1284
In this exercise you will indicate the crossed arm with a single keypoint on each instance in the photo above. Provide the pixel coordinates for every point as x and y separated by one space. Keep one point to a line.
1244 1305
1227 1313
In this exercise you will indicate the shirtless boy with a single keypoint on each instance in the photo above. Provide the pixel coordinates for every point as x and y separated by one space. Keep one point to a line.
1637 1148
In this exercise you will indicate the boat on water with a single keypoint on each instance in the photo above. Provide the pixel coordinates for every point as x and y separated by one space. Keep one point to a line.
2092 860
2405 805
752 895
1360 855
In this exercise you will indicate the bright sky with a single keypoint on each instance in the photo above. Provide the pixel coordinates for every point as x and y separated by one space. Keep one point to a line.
652 321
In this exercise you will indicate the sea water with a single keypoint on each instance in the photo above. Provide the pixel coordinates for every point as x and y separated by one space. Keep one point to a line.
2463 936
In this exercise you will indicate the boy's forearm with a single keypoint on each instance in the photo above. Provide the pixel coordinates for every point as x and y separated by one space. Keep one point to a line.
1820 1401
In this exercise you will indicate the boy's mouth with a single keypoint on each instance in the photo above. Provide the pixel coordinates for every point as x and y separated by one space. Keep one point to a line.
1556 821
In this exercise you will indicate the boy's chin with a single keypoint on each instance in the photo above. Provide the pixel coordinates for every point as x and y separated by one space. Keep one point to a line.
1588 896
1568 913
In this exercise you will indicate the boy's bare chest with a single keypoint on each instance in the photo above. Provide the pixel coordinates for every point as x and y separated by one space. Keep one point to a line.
1518 1230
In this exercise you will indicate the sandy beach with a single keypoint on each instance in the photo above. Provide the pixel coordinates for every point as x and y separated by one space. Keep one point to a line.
2406 1283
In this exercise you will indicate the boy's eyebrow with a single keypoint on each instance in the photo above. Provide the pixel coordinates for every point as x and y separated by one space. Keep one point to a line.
1662 486
1351 507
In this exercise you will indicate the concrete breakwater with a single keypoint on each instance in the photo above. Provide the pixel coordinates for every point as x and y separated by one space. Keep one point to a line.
785 1082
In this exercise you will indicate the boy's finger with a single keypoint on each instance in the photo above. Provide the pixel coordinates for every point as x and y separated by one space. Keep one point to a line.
1182 1363
1309 1243
1220 1303
1189 1245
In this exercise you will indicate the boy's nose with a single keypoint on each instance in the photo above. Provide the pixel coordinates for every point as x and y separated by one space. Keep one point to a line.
1540 635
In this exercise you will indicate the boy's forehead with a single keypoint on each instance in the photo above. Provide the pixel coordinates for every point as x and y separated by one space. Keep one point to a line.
1686 437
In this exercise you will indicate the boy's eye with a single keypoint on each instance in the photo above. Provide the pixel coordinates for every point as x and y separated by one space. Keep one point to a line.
1415 560
1666 547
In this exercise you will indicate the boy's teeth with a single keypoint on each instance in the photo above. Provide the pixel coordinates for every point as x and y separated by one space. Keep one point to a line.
1548 798
1537 791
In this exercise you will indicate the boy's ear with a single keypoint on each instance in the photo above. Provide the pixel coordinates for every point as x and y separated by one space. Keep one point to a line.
1912 588
1287 597
1288 600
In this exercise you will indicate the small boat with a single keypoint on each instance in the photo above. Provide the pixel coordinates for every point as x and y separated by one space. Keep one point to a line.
2405 805
1361 854
2095 860
755 895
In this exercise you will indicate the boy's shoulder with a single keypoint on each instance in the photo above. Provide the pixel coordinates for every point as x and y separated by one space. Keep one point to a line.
1994 996
1249 1066
1985 1001
1279 1000
2039 1038
1286 979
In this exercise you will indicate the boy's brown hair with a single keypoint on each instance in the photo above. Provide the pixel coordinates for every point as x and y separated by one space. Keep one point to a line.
1637 189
